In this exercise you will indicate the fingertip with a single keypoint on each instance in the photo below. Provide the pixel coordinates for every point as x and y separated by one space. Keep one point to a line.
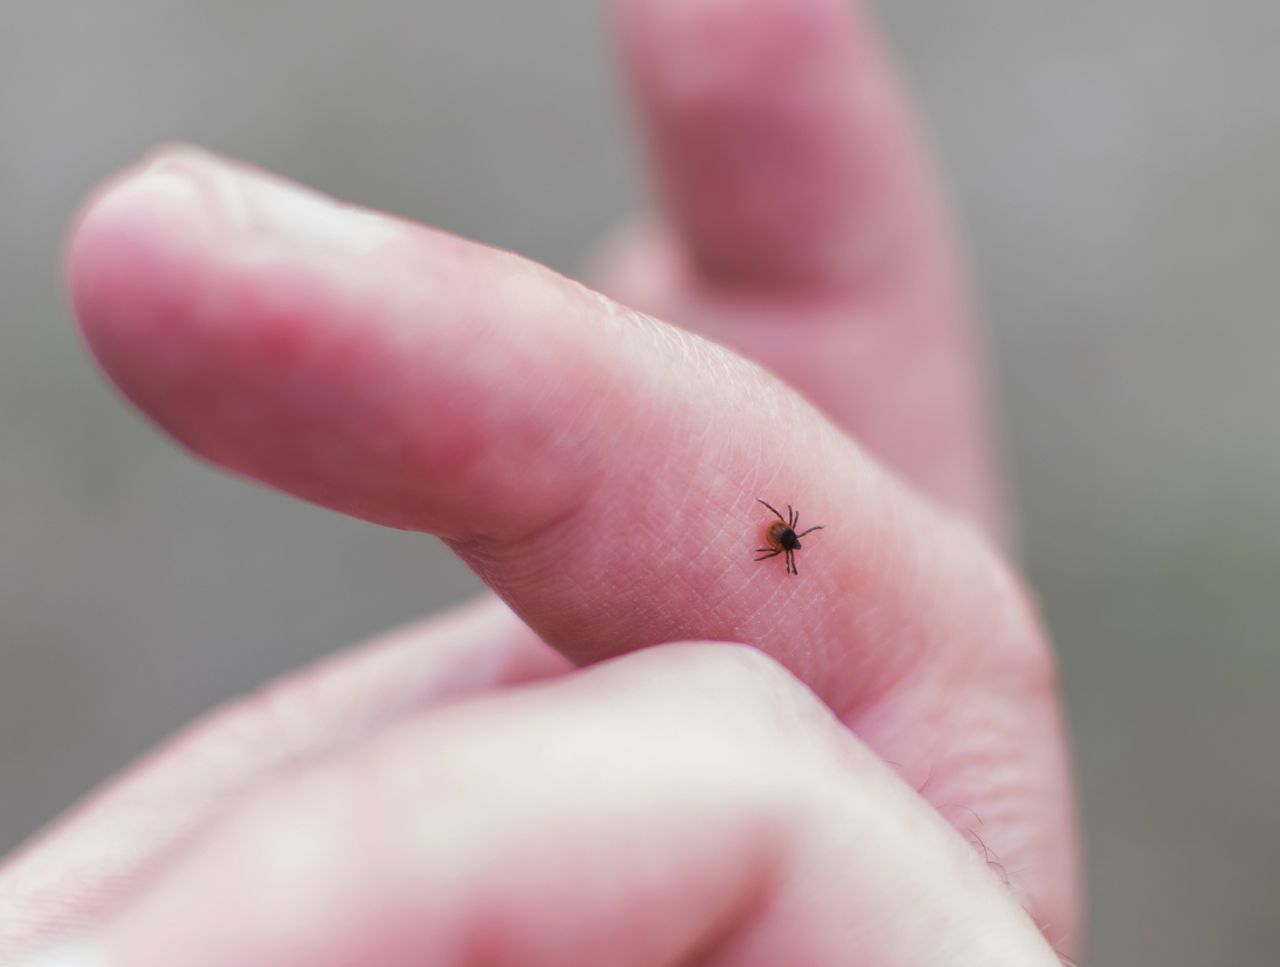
779 138
343 355
131 259
170 253
704 49
178 195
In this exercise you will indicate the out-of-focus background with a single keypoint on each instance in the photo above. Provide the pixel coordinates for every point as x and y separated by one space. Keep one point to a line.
1117 166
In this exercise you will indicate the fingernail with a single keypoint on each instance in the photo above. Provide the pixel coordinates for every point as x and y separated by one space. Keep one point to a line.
266 209
72 955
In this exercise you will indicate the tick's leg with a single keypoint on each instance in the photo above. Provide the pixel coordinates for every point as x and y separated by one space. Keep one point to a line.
770 554
791 514
796 523
772 508
815 527
794 570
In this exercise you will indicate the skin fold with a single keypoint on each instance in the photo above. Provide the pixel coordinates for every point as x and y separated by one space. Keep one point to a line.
590 767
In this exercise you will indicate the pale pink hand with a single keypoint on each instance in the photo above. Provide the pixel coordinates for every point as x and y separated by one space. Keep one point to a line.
599 470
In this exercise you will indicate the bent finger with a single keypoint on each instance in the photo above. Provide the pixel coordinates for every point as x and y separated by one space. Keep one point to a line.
683 826
85 867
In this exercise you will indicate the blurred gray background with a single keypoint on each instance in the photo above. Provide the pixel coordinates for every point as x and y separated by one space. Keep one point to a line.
1116 165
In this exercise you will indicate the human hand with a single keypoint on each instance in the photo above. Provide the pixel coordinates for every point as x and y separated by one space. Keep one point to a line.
598 469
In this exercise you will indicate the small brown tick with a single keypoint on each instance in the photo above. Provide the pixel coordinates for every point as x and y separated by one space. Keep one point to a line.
782 537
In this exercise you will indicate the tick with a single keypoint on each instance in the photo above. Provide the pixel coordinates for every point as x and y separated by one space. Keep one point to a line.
782 537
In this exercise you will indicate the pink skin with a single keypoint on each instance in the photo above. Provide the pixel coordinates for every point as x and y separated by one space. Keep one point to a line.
598 469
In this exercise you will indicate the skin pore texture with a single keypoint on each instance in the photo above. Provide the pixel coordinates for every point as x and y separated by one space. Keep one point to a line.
589 767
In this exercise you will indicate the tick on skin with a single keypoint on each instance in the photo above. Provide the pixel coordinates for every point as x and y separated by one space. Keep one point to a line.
782 537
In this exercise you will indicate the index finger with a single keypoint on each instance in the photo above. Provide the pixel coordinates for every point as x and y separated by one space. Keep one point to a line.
597 468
